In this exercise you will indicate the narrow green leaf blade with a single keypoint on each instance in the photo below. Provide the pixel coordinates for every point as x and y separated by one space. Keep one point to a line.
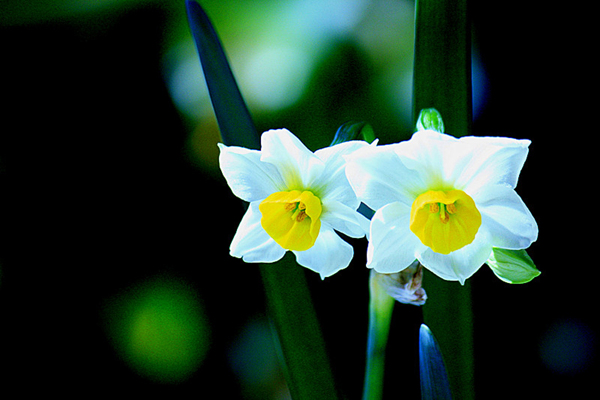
308 371
307 366
235 122
434 379
512 266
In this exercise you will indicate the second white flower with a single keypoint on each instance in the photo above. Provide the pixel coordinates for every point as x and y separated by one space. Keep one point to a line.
443 201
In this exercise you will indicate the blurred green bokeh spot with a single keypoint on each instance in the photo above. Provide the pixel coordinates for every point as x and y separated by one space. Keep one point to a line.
159 329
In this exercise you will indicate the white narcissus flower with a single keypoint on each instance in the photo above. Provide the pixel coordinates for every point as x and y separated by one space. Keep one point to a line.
443 201
298 199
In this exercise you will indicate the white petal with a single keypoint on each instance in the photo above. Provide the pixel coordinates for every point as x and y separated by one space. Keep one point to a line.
298 166
392 245
460 264
506 217
251 242
249 178
378 177
430 134
329 254
467 163
489 161
344 219
333 155
333 184
431 146
426 153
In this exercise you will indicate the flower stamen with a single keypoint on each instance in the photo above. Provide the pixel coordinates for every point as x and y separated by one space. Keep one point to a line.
443 209
299 210
300 217
434 208
451 208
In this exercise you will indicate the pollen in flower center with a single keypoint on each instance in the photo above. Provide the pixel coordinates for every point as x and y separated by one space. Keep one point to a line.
291 218
445 221
298 210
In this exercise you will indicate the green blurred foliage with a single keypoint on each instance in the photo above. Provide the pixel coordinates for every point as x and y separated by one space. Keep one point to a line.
159 329
309 66
306 66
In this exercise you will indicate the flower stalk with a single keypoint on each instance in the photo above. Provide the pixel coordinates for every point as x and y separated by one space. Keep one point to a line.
442 66
442 79
381 306
385 290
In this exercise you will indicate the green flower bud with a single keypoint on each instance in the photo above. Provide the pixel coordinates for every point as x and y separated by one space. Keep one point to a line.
430 118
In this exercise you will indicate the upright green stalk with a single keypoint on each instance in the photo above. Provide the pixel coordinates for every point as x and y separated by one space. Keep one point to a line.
381 306
442 69
442 80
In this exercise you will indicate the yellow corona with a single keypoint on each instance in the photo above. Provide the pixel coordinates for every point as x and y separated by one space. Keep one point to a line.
445 221
291 218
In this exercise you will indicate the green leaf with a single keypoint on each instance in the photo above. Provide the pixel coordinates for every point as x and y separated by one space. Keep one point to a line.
512 266
233 117
308 371
430 118
353 130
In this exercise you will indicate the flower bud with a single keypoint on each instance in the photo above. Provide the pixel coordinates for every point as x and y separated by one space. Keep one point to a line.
430 118
404 286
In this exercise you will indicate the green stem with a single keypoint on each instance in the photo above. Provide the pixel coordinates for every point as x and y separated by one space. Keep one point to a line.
442 80
449 314
442 69
381 306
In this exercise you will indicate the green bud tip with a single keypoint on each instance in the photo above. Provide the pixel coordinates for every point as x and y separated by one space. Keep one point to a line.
430 118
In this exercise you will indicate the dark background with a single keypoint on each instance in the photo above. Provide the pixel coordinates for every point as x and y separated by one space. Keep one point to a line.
100 190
